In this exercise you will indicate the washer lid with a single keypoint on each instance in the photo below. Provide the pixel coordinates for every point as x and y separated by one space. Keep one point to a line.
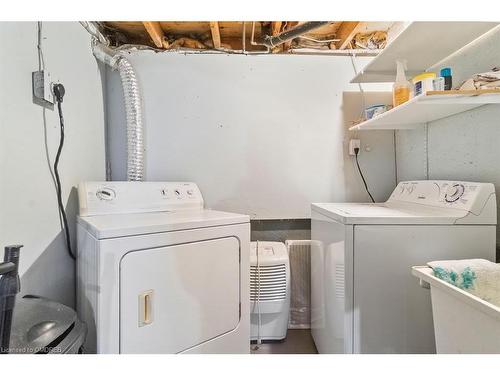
388 213
123 225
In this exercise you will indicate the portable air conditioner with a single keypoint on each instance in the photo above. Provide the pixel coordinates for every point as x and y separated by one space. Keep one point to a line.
269 290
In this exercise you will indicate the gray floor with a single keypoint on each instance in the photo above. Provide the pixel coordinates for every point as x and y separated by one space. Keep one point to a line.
298 341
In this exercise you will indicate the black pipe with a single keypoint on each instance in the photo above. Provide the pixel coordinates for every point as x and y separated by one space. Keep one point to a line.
276 40
9 287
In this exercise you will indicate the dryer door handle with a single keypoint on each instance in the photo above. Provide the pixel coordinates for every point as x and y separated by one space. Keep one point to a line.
146 308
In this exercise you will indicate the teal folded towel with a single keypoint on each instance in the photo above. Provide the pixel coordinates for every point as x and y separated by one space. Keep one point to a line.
479 277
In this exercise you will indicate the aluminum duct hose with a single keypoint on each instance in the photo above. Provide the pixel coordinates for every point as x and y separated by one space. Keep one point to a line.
133 108
95 30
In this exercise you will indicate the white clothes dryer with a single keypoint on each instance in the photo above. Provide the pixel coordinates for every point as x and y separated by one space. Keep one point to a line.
159 273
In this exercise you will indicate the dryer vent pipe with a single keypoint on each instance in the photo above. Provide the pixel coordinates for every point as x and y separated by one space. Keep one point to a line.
133 108
276 40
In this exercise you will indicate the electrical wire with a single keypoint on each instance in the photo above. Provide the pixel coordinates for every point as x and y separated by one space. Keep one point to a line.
363 101
56 172
41 60
259 339
41 66
259 314
362 176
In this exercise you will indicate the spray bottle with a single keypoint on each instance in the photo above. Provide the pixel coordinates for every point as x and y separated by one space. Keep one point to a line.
402 88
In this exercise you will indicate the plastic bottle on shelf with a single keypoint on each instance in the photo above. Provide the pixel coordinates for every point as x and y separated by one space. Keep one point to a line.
446 74
402 88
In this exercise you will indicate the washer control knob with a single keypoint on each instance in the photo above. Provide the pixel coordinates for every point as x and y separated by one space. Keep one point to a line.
454 193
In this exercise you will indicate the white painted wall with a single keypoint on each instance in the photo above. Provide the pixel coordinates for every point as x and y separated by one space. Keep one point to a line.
463 146
262 135
28 206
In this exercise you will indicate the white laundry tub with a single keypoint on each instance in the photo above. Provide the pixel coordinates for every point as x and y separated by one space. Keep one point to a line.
463 323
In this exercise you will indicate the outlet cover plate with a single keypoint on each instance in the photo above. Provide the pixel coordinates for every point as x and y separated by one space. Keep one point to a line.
42 94
354 143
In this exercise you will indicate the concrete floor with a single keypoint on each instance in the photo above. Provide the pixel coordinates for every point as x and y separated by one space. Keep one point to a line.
298 341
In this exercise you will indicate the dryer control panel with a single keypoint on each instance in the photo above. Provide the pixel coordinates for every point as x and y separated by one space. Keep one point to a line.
467 196
116 197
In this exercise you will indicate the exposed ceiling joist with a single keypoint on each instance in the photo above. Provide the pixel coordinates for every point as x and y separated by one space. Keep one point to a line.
276 27
346 32
214 28
275 30
228 35
156 33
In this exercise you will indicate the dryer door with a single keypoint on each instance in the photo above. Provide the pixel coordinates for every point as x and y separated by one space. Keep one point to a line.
176 297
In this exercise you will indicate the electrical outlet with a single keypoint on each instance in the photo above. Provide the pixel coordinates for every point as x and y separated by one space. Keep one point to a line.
42 93
354 143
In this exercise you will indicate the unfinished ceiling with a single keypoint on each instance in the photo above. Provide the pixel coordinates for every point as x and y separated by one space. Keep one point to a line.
238 36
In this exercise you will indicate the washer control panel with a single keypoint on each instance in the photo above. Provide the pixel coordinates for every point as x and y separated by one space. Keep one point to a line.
101 198
469 196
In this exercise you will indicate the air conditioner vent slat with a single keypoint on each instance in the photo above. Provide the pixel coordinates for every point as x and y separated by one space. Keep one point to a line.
265 279
268 293
268 287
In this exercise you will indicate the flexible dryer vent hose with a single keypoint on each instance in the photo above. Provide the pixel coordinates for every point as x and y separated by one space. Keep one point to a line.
133 108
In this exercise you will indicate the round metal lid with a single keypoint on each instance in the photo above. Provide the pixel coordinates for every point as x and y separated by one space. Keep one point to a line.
38 322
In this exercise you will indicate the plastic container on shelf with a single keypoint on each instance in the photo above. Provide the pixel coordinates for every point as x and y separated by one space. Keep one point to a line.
423 82
401 90
446 75
439 84
375 110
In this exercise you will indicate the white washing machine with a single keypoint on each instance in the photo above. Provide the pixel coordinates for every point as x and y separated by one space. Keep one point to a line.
364 299
158 273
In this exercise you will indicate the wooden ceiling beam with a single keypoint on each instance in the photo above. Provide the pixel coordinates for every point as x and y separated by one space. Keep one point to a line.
276 27
156 33
275 30
229 34
346 31
214 28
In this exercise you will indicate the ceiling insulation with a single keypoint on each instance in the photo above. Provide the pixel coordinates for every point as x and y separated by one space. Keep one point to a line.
247 37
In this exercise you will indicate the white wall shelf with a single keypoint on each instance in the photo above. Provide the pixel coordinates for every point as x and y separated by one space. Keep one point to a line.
433 106
422 45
